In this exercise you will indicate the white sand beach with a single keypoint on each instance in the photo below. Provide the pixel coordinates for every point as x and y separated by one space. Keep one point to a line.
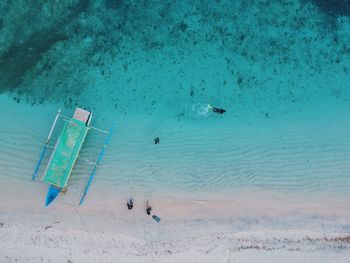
190 231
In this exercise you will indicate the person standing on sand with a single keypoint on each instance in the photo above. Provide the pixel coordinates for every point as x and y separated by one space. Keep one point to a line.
148 211
130 203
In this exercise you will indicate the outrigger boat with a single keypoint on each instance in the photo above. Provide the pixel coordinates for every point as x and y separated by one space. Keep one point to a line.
66 152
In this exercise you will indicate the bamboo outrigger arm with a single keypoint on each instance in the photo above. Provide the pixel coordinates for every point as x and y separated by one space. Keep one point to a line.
89 126
46 144
99 159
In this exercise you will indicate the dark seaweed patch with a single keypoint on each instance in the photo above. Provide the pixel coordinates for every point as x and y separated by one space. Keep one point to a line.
114 4
333 7
192 92
20 57
182 26
239 81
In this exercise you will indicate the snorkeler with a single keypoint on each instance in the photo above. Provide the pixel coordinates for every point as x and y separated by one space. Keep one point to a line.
130 204
156 140
216 110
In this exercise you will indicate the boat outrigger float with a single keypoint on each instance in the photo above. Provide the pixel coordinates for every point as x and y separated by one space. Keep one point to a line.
66 152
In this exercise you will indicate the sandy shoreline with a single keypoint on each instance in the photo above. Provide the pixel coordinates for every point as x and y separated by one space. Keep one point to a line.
54 245
71 235
244 230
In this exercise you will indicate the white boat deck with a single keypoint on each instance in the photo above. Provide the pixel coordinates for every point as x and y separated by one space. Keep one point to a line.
81 115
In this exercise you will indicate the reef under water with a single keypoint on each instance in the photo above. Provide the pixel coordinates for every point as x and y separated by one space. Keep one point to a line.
25 39
125 52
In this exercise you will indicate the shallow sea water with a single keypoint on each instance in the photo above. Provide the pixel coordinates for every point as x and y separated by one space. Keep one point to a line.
280 69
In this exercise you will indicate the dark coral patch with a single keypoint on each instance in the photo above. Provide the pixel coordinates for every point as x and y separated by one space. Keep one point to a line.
21 56
333 7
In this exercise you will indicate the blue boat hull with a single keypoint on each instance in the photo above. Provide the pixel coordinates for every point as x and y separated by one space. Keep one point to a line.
52 194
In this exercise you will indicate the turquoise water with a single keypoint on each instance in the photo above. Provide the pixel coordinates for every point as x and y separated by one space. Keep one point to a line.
279 68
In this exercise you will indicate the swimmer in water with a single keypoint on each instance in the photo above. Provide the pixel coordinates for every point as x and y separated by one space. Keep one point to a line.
216 110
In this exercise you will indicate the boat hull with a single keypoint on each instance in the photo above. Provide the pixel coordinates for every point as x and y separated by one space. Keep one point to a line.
51 194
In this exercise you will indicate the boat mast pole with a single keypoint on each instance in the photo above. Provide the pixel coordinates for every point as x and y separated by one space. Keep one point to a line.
97 163
46 144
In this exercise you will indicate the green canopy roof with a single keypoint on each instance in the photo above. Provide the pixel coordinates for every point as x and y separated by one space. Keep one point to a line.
65 153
